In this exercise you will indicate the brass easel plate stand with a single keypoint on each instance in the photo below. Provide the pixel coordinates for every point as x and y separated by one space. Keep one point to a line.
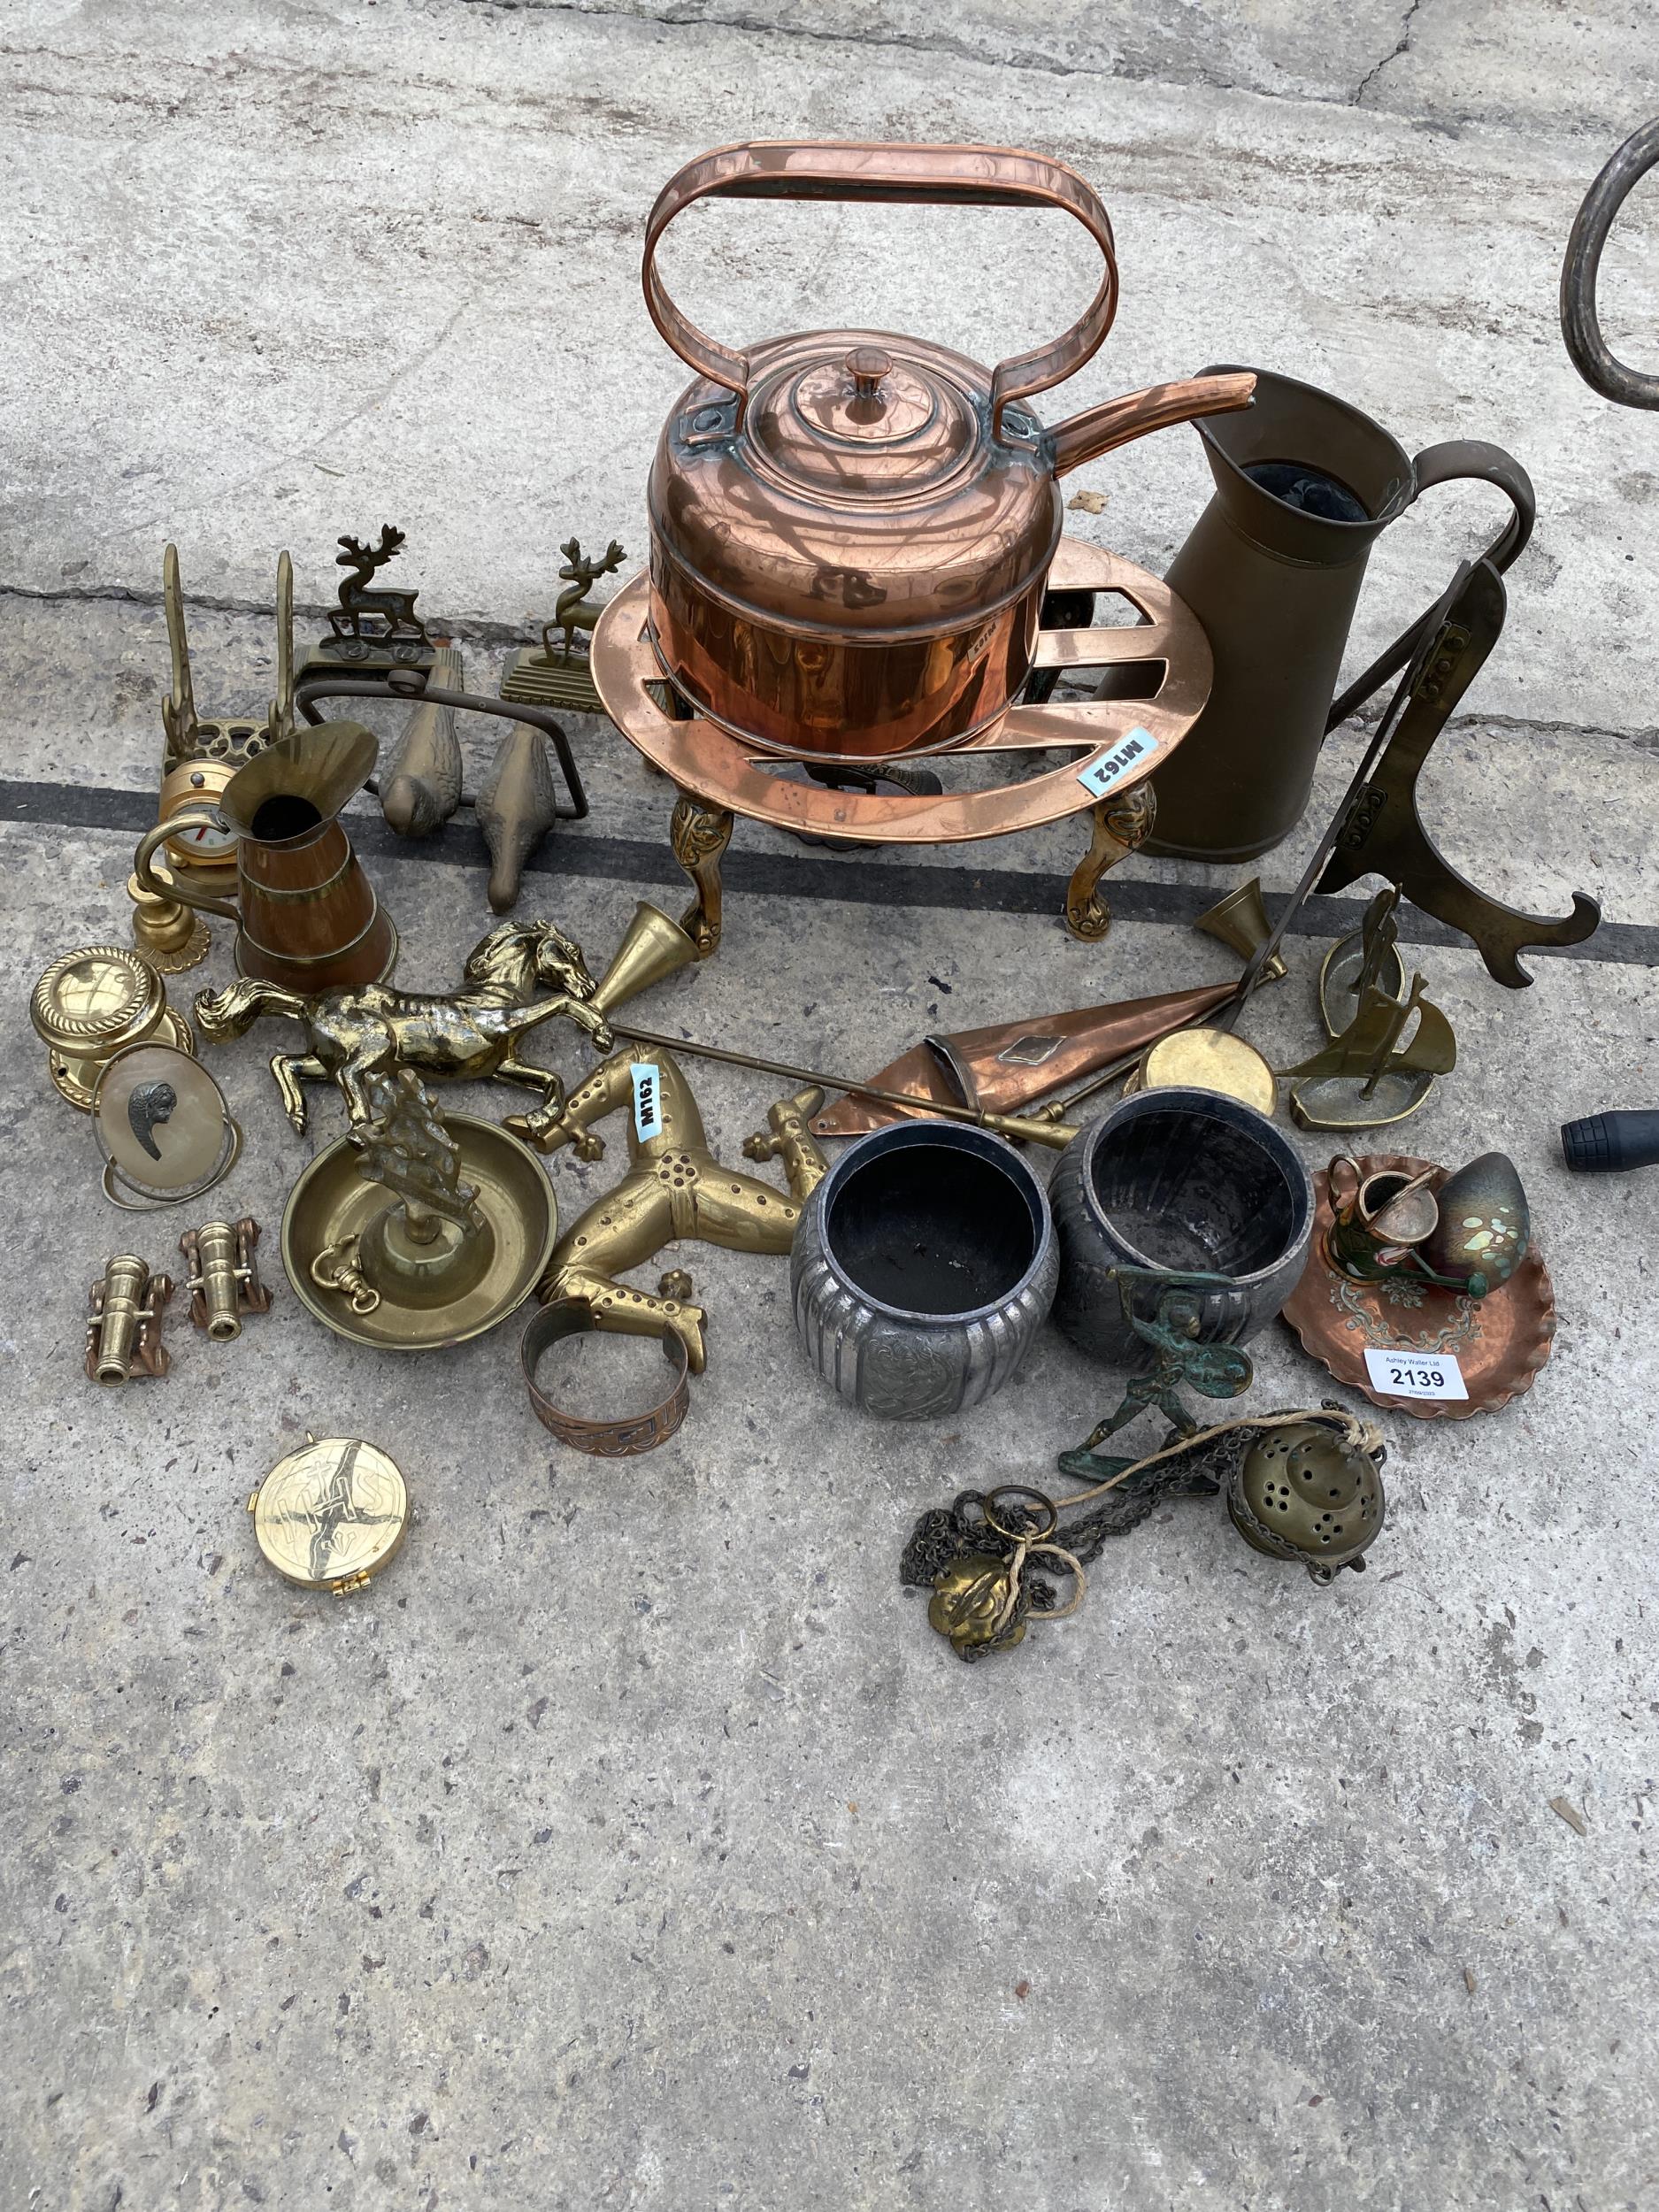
1114 745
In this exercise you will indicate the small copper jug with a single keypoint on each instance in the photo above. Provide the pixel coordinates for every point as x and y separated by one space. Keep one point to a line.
307 917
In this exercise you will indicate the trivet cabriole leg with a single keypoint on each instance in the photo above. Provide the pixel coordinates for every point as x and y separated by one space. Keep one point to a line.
1121 827
699 835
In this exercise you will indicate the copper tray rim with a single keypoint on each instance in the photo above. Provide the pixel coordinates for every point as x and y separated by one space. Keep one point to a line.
1350 1372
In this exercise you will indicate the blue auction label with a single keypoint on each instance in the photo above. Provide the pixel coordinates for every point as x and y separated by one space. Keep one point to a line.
1137 747
647 1100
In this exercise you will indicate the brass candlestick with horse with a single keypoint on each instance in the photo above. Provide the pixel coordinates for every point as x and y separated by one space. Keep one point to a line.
470 1035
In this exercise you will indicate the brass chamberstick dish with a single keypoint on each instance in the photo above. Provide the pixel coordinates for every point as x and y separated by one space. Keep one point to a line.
332 1203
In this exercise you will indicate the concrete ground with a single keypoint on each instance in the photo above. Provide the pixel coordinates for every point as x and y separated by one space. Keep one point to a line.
632 1841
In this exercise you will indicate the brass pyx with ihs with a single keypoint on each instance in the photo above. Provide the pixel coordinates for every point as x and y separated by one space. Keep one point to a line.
307 915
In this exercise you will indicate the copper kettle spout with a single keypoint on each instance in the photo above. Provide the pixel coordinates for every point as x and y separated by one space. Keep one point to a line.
1099 430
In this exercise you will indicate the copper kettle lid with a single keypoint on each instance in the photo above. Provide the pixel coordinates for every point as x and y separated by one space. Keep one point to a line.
876 419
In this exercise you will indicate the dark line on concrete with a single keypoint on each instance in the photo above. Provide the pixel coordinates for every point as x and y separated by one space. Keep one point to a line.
804 874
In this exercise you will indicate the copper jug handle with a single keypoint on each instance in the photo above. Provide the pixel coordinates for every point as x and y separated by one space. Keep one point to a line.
176 888
827 169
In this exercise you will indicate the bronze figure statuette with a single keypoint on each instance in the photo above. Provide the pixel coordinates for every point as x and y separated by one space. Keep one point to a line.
675 1188
222 1276
124 1314
558 675
330 1515
375 625
419 788
623 1437
415 1229
469 1035
1178 1361
1440 1350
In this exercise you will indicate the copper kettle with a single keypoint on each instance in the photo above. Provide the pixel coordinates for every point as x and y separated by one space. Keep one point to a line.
850 530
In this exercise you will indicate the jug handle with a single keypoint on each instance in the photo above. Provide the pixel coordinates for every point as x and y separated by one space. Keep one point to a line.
827 169
1580 323
1470 459
1098 429
176 888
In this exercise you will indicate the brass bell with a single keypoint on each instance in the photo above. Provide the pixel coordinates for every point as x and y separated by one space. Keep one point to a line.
1305 1492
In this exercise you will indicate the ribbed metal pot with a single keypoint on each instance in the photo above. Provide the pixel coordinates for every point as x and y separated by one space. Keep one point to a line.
1179 1179
923 1266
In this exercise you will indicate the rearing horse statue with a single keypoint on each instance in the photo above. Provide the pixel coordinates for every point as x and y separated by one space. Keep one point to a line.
468 1035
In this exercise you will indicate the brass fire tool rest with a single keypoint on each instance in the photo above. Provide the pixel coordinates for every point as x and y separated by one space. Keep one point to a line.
558 675
1113 744
124 1314
222 1276
417 1231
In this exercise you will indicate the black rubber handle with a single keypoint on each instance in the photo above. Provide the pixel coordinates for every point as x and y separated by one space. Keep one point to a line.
1612 1144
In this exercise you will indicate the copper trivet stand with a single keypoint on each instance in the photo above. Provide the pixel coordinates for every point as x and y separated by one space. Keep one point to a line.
720 777
1501 1340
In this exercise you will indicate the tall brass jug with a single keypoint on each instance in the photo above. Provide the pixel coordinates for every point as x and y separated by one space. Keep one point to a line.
307 917
1305 485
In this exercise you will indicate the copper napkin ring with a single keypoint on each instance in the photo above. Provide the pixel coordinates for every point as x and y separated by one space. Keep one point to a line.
634 1433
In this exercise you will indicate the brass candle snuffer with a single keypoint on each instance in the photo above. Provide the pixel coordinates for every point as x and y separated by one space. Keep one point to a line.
853 537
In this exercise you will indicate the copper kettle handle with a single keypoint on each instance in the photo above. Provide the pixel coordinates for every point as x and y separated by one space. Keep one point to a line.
828 169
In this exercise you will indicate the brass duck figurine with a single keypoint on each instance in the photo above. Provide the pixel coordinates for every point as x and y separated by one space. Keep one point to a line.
421 788
516 809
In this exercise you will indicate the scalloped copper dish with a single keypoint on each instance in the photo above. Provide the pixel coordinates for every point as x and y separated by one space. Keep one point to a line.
1501 1340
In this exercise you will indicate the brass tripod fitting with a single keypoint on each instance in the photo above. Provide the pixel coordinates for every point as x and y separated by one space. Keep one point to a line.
222 1276
123 1310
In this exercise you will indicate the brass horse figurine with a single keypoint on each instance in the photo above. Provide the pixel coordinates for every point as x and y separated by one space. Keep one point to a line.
469 1035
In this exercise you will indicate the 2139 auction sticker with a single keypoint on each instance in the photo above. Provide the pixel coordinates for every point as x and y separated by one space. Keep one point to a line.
1416 1374
1138 745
